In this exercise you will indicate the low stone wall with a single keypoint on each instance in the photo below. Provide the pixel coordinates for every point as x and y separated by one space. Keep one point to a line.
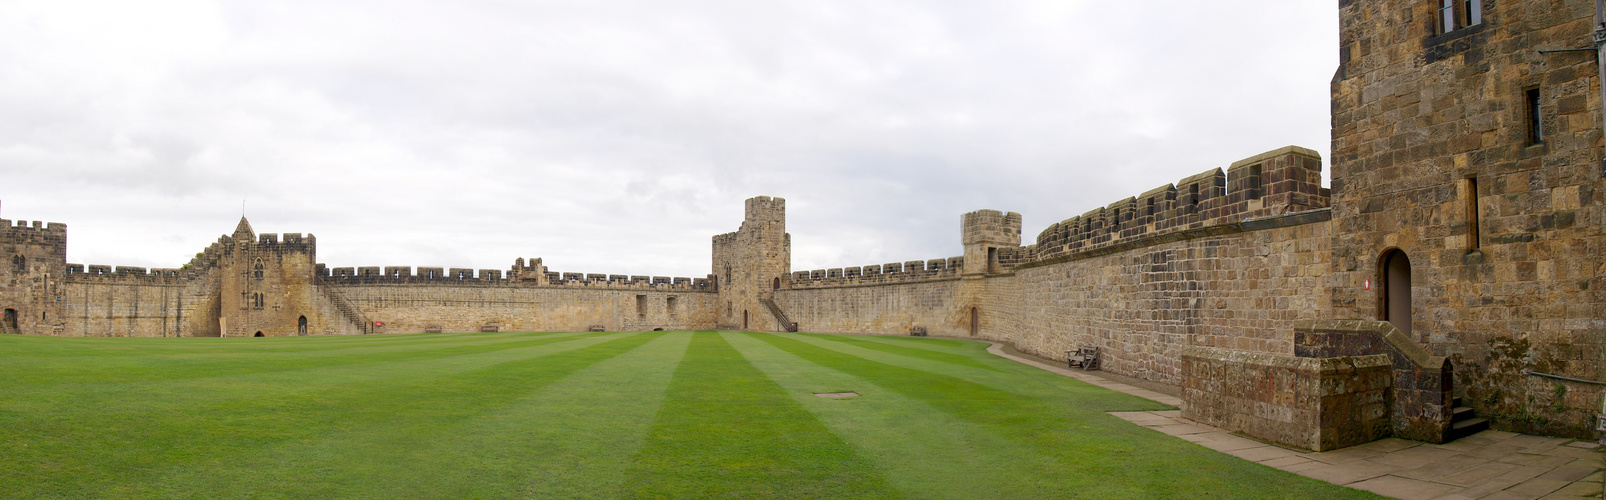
1421 395
1316 404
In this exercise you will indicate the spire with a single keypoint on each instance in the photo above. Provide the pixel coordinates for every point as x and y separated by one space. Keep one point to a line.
243 231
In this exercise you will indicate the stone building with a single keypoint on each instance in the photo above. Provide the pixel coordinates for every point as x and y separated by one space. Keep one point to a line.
1450 278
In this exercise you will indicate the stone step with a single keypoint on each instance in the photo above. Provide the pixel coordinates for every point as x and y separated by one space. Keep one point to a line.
1468 427
1462 413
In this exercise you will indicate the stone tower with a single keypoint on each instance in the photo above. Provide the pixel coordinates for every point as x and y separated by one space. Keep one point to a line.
750 264
1468 193
984 233
267 285
30 276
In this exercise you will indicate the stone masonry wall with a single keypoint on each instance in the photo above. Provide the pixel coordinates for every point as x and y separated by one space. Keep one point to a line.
883 309
1433 156
1142 307
132 303
444 308
1316 404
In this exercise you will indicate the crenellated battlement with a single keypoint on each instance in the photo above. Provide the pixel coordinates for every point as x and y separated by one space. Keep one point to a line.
38 233
80 273
892 272
1273 183
22 226
521 275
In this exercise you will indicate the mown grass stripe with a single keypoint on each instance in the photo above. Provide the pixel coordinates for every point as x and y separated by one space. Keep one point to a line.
725 430
143 428
572 439
1093 454
904 350
924 452
374 440
98 362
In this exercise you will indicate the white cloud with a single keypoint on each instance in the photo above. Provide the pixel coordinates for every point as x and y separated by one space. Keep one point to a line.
618 136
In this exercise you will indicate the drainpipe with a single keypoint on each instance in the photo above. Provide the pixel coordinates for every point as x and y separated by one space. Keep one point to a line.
1600 67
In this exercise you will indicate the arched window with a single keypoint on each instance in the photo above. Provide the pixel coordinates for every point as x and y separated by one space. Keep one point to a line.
257 269
727 274
777 285
19 263
1396 291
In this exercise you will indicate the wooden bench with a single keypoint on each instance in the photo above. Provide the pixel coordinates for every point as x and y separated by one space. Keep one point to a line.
598 328
1086 357
918 331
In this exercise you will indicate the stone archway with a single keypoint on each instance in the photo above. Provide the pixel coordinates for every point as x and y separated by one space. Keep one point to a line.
1395 303
301 326
744 319
259 334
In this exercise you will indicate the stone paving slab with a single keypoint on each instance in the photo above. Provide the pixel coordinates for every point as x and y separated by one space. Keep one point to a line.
1489 465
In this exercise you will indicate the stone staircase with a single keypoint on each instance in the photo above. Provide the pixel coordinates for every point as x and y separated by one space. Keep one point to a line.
346 308
1464 421
780 316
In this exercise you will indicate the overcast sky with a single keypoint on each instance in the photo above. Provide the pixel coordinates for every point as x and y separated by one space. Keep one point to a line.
619 136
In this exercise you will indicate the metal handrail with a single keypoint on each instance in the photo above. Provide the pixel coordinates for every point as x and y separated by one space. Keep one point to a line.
1560 377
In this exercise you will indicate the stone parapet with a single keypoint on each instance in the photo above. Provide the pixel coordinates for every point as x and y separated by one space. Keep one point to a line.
1421 394
892 272
1316 404
1269 184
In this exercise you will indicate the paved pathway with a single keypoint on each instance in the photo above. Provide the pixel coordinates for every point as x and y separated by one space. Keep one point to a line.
1490 464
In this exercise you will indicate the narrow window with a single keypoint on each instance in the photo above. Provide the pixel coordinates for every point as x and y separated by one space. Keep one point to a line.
1469 193
1473 10
19 263
1193 198
1148 210
258 269
1536 131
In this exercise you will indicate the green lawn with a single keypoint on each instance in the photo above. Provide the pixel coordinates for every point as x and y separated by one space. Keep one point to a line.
581 415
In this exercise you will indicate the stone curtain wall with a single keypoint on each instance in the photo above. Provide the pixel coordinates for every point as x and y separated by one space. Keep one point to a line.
1428 126
1243 290
1316 404
445 308
131 302
878 308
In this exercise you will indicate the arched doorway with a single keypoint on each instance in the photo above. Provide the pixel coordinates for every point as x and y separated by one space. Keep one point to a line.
11 320
744 319
301 326
777 285
259 334
975 322
1396 303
